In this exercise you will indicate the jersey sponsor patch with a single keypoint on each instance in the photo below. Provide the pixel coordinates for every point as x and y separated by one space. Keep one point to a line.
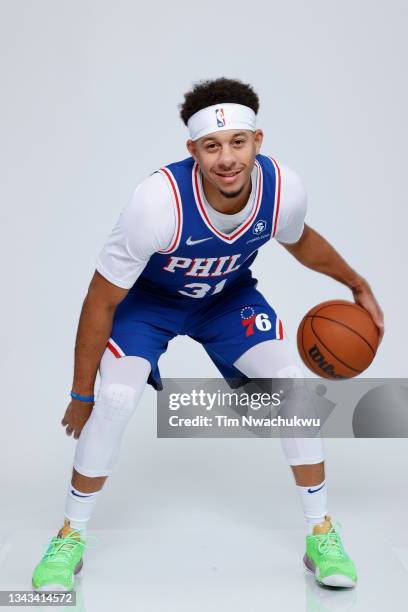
259 227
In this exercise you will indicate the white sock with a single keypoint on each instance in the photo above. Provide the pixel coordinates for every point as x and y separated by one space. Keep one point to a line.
314 502
78 508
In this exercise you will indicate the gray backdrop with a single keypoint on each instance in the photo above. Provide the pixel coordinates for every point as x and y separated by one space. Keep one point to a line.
88 108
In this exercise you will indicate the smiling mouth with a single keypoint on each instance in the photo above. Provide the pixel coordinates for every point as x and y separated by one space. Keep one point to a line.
227 178
227 174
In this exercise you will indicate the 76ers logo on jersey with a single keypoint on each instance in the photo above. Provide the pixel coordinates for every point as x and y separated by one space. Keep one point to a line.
220 117
250 320
259 227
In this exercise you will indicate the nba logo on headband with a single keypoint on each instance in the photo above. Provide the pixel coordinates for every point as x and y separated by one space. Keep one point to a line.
219 115
240 117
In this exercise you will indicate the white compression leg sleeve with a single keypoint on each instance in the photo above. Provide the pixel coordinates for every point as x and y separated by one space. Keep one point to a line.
275 359
122 383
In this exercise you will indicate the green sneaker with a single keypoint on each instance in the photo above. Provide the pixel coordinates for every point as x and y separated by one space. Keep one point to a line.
326 558
61 562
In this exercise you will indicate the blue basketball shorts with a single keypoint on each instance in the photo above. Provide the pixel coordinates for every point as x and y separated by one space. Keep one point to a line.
226 324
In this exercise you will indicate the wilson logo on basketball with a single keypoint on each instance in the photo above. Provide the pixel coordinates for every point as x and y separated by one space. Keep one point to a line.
321 362
337 339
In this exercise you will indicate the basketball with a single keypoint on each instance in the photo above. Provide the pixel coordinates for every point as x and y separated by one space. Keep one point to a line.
337 339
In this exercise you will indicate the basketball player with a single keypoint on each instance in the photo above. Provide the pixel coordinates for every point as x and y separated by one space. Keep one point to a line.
178 262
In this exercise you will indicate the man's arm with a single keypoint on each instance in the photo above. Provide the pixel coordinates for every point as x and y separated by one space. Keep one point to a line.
145 226
94 329
314 252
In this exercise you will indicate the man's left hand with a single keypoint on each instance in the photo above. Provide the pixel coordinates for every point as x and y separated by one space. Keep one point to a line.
364 297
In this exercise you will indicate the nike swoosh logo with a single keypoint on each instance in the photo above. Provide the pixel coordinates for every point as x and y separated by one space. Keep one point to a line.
190 242
77 494
315 490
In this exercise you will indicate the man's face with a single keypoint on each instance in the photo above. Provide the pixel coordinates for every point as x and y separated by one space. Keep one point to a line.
226 158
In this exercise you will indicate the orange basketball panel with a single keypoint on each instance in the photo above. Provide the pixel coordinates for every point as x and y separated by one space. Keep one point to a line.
345 345
354 317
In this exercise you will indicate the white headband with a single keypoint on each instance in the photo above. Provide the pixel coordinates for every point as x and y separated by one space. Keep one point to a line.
221 117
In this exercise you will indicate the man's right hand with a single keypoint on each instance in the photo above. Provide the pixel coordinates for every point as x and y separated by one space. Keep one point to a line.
94 329
76 415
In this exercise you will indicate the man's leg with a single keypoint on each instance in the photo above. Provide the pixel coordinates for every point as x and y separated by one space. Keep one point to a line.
122 383
325 555
243 334
275 359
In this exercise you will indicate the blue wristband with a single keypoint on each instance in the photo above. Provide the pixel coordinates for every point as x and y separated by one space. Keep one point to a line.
83 398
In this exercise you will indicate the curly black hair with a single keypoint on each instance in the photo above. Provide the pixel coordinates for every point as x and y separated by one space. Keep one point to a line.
216 91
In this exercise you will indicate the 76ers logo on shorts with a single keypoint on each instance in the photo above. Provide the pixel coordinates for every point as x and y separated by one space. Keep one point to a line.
219 115
259 227
250 320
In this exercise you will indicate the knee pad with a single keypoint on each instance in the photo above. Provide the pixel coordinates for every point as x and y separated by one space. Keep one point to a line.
293 382
98 445
303 451
116 402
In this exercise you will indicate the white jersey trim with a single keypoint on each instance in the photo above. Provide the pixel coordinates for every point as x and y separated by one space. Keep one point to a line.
175 193
278 329
277 196
115 348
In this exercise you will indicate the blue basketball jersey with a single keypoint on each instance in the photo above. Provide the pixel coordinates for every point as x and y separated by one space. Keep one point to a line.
202 260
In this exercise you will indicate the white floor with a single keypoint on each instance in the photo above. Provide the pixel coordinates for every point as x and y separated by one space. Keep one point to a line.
214 525
166 570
